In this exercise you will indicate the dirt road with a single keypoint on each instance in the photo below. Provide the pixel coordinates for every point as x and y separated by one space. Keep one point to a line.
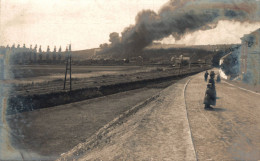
229 132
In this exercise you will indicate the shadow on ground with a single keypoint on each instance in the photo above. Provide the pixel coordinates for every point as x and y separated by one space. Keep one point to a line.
216 109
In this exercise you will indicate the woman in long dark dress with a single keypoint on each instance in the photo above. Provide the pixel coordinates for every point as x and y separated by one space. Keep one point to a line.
210 96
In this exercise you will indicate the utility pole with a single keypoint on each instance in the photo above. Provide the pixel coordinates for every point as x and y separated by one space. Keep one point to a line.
181 57
190 61
68 67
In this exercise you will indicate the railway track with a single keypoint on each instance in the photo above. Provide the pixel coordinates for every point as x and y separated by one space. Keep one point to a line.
57 86
53 95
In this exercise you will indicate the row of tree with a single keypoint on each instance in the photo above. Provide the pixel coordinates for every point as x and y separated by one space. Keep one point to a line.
35 49
27 56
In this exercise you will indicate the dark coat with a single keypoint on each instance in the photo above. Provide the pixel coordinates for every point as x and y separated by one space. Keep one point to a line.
212 81
218 78
206 76
210 96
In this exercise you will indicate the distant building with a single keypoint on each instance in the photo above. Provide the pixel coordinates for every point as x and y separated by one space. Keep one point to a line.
137 60
177 61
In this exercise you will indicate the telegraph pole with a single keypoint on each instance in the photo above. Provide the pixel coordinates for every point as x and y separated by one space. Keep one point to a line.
181 57
70 64
68 67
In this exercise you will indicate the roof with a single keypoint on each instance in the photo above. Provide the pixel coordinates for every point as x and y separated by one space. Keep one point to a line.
226 55
247 37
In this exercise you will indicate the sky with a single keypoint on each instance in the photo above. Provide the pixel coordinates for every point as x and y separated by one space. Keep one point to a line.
88 23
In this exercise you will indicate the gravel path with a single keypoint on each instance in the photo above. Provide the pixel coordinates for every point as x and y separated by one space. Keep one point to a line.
158 131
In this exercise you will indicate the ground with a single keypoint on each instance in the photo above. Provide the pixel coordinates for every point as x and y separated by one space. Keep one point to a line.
162 130
158 131
51 131
231 130
170 125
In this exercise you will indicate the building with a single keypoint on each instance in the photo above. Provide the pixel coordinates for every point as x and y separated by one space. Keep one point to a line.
243 63
250 58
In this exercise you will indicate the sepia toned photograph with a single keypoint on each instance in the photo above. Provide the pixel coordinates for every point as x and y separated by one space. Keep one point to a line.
138 80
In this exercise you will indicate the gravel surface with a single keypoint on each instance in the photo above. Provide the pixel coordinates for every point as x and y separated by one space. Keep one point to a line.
158 131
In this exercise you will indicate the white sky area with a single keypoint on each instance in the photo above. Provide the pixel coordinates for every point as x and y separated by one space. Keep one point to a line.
228 32
88 23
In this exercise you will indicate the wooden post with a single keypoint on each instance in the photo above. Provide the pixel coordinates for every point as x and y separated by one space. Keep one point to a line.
65 74
70 72
68 62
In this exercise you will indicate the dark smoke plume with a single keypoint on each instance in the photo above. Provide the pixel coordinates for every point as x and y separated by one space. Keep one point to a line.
179 17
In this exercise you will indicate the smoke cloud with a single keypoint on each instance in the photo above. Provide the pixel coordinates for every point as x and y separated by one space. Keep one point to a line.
180 17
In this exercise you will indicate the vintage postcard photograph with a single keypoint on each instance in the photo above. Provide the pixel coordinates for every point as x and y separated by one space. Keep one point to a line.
137 80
